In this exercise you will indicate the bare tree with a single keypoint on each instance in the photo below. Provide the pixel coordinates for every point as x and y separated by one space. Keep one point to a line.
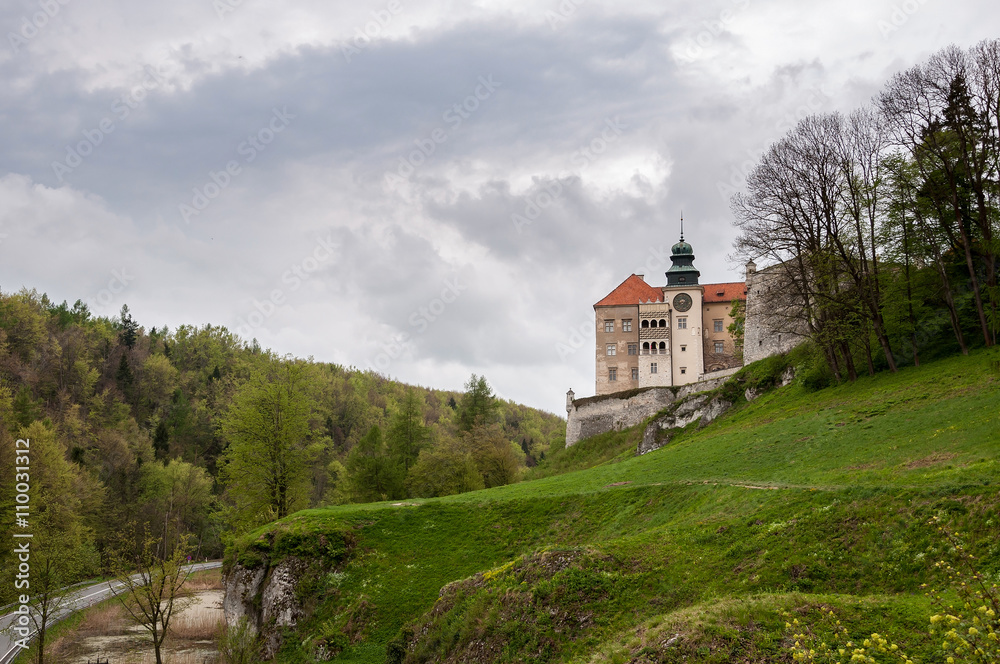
153 581
793 215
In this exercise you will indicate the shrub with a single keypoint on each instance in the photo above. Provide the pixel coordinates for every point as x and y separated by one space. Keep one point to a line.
239 643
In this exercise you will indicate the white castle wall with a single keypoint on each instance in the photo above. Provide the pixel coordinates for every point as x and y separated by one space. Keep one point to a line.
596 415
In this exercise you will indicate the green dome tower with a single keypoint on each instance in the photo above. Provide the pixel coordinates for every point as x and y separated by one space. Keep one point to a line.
682 272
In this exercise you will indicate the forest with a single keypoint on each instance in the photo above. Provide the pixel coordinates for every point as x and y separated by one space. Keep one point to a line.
880 227
194 435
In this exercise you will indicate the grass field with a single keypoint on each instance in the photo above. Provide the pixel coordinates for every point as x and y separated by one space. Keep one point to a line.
690 553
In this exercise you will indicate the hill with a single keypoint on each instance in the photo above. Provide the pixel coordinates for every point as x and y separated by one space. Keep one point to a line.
124 421
695 552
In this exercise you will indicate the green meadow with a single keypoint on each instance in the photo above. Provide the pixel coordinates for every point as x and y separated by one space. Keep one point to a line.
798 503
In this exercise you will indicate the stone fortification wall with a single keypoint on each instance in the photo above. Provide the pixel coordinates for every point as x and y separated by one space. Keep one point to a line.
614 412
773 323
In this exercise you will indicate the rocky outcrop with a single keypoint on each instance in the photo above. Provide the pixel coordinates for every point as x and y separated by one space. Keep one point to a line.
698 407
614 412
266 597
268 573
243 588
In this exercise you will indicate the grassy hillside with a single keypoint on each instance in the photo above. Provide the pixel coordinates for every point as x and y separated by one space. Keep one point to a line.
797 501
127 417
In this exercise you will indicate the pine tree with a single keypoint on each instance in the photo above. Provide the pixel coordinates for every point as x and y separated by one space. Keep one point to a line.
129 333
478 405
407 433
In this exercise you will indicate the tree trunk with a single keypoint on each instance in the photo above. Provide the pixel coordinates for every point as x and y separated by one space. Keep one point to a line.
852 372
831 358
970 263
949 300
868 357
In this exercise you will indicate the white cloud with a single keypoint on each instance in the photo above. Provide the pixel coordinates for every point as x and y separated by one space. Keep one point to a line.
702 88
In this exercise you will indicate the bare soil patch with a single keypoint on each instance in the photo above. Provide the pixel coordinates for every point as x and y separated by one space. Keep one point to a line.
931 460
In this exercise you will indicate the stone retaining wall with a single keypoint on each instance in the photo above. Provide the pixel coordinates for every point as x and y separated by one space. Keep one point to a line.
596 415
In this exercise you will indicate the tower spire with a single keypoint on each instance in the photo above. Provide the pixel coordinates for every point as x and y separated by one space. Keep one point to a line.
682 225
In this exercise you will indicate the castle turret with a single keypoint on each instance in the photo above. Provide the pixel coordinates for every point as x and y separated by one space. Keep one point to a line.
683 271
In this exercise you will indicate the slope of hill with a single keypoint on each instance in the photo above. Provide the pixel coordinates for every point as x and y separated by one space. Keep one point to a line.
796 501
127 420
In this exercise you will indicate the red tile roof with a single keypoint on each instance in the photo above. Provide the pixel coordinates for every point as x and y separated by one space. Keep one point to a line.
736 290
631 291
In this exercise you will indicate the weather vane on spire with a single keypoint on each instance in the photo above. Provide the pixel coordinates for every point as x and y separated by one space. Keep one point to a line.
682 225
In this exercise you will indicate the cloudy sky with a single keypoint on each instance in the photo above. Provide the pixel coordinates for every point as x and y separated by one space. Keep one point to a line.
427 189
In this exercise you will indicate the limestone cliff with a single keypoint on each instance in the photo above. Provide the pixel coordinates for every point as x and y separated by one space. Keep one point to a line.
264 578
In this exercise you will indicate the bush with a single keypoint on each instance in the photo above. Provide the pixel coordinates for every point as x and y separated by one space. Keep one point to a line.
239 644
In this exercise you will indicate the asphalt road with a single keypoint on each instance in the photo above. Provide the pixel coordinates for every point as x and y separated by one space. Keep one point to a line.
78 599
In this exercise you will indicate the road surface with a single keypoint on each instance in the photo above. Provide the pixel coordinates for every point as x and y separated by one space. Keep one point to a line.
78 599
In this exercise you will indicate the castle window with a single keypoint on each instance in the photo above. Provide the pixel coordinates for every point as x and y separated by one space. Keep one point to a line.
684 370
645 348
609 326
663 347
645 323
682 323
652 368
663 323
717 325
627 325
635 373
612 349
684 349
652 323
613 374
633 349
682 279
719 348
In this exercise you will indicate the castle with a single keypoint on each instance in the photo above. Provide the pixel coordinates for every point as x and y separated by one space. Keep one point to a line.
676 334
679 334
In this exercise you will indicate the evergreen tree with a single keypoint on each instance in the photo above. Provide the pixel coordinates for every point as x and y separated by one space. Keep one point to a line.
124 375
129 329
161 440
478 405
407 434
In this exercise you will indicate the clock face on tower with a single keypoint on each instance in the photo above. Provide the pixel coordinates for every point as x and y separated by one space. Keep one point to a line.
682 302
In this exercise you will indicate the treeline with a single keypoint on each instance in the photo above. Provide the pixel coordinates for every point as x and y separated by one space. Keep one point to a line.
881 225
177 430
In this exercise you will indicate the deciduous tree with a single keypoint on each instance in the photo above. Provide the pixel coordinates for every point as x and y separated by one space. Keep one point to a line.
266 465
150 582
